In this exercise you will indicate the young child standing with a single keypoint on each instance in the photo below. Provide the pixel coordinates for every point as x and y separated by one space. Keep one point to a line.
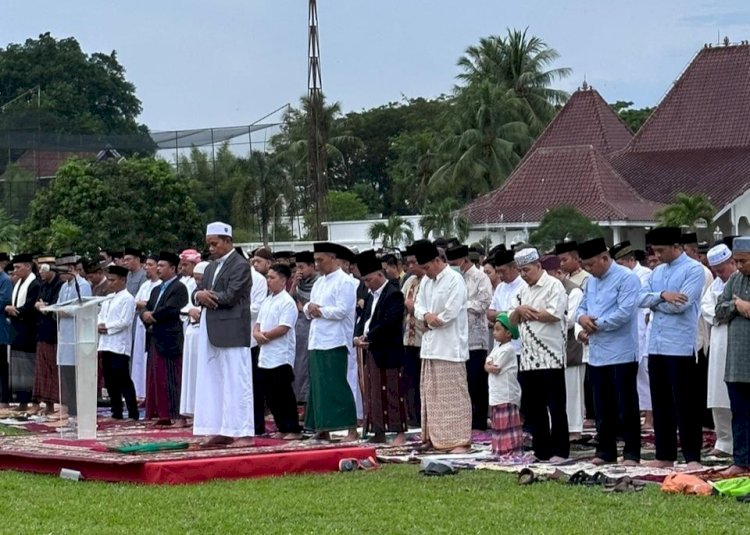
505 392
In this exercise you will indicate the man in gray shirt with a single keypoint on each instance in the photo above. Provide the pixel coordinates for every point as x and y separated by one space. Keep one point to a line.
136 273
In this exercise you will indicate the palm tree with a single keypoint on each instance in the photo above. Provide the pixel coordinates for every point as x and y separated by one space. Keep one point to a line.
442 220
479 158
519 64
686 211
393 232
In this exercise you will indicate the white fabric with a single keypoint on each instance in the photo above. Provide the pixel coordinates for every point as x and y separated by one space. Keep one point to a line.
191 285
574 301
21 289
66 327
223 390
718 255
702 334
445 296
220 263
644 385
479 297
504 386
279 309
644 316
258 294
574 401
189 369
503 300
543 344
352 369
526 256
138 356
336 296
117 314
200 268
217 228
718 396
723 428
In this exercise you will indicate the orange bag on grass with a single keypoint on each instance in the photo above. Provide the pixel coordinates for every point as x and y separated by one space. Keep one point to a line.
678 483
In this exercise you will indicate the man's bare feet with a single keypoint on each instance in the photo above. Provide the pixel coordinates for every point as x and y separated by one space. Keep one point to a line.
693 466
598 461
574 436
218 440
323 435
656 463
734 471
629 462
352 435
293 436
244 442
557 459
400 439
460 450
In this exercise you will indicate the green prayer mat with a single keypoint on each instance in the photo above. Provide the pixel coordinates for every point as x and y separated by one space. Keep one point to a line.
737 486
149 447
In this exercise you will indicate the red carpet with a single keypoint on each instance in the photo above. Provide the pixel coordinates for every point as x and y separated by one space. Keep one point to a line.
43 453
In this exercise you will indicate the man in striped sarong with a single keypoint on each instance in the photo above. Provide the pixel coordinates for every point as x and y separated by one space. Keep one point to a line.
165 340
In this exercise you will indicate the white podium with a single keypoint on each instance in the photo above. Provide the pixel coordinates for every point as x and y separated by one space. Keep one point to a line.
82 341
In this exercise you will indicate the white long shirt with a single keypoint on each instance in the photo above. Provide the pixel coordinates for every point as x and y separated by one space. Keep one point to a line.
66 335
117 314
504 299
445 296
258 294
337 298
279 309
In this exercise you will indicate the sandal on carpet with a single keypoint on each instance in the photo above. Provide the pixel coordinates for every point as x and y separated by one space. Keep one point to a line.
368 464
578 478
348 465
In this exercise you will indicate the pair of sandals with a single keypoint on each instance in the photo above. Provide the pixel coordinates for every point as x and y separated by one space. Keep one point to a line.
620 484
352 464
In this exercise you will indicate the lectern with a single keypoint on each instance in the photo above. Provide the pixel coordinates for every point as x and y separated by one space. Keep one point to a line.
76 329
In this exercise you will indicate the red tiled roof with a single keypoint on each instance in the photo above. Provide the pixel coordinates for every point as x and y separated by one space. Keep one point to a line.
721 174
578 176
586 119
708 107
698 138
45 163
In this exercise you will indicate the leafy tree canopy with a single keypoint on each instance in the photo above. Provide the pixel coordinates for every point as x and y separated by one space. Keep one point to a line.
686 210
634 118
80 93
561 223
90 205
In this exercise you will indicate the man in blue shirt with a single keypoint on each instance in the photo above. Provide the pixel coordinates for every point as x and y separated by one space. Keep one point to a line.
6 291
673 294
608 315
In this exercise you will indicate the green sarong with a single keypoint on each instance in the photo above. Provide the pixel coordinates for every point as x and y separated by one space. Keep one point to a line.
330 402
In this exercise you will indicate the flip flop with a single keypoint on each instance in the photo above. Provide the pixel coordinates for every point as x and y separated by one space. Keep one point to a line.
368 464
348 465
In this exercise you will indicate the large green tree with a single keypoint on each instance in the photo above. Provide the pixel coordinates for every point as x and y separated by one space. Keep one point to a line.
80 93
561 223
686 211
92 205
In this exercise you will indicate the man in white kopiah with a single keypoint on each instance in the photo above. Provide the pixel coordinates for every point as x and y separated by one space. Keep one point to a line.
723 265
224 387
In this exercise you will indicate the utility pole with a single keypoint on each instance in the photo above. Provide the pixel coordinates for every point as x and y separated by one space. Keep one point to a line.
316 157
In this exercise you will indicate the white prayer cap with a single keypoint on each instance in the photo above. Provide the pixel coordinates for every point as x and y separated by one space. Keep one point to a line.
526 256
718 255
200 267
217 228
44 268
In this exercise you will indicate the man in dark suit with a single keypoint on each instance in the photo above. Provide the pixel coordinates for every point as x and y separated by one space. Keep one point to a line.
379 336
224 388
164 339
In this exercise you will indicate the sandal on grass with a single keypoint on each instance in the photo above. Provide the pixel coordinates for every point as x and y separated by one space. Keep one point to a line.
348 465
368 464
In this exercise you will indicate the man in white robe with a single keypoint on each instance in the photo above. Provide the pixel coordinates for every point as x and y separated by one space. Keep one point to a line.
224 386
721 262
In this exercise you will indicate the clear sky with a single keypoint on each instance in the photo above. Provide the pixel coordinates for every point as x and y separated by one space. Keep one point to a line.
229 62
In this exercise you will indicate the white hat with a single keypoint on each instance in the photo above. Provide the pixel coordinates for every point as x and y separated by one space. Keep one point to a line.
200 267
526 256
718 255
217 228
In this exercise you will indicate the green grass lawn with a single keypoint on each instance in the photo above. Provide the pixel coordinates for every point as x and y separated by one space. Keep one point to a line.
395 499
